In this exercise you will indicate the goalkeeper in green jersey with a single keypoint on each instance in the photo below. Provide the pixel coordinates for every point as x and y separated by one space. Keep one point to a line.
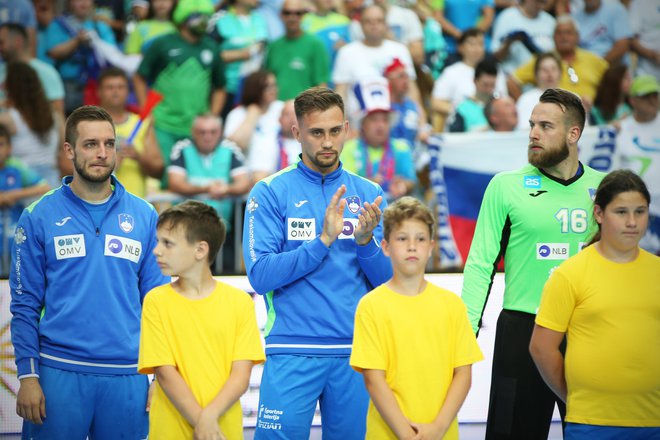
535 218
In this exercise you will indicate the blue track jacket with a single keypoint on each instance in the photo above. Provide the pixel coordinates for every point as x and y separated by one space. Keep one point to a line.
311 290
77 287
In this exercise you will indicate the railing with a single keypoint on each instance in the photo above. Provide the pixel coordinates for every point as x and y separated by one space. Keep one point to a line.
163 200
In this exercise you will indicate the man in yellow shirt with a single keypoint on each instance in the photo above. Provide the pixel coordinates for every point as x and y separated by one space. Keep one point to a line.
142 158
581 70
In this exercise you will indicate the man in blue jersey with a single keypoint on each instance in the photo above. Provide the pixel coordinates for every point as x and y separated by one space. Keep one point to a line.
82 263
312 247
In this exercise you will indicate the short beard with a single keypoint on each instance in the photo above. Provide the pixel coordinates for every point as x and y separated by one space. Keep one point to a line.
88 177
548 159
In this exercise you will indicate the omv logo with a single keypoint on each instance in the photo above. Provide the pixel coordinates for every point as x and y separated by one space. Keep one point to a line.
115 246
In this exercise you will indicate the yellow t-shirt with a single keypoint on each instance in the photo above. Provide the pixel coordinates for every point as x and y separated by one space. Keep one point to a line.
589 67
417 341
201 338
612 314
129 173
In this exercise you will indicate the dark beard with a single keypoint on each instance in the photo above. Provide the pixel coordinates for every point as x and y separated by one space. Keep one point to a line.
549 159
88 177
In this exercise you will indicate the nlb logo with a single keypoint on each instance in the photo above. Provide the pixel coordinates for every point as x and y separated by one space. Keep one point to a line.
552 251
348 230
69 246
301 229
115 246
122 247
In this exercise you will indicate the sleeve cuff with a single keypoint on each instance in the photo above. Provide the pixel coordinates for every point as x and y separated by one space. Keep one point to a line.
368 250
318 249
28 367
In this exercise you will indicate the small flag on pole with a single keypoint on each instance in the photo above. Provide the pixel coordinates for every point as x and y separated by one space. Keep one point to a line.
153 98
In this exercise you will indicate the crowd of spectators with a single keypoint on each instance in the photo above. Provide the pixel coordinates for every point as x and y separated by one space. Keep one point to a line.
447 65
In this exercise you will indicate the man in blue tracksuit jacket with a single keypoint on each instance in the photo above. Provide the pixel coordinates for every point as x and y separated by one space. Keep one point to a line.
82 264
312 246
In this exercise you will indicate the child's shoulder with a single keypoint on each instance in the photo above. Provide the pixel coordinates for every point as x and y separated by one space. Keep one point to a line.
376 294
159 293
444 295
231 292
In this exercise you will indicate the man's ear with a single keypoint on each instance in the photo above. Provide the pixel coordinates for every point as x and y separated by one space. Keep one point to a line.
68 150
295 130
574 134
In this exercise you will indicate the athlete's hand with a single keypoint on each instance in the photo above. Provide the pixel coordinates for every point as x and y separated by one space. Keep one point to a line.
333 222
31 402
369 218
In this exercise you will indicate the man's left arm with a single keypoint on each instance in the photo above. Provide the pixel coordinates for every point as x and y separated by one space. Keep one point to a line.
149 274
368 234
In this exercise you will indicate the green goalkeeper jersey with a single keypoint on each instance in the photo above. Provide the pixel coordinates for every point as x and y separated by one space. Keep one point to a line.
533 220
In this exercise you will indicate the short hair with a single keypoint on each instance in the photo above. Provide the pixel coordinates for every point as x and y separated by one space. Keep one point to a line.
15 30
566 19
84 113
317 99
470 33
542 57
488 109
208 115
406 208
200 222
254 86
570 104
487 66
111 72
615 183
4 133
374 5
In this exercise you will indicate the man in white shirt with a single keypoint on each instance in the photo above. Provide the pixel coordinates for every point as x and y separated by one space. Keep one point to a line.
638 147
518 26
369 58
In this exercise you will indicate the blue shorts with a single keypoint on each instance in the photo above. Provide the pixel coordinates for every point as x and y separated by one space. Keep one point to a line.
101 407
292 385
579 431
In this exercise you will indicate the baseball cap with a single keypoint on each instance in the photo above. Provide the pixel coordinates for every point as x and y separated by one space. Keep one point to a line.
644 85
373 95
395 64
186 8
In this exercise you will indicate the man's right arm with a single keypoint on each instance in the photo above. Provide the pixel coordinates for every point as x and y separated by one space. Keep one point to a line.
27 281
27 284
484 253
268 266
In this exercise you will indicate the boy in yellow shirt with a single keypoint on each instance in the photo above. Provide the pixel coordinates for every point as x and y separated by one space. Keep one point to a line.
412 341
199 336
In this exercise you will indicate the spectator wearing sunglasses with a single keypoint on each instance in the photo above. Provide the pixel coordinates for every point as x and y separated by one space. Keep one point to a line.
298 60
